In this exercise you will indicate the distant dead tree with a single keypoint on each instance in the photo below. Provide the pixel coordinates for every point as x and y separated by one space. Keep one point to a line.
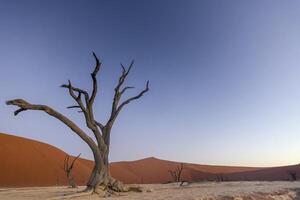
293 175
68 170
220 177
100 180
176 173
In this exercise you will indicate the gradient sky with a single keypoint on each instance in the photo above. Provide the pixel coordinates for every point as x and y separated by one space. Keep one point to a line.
224 76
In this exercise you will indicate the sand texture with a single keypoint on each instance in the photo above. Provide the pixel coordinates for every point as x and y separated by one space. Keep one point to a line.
195 191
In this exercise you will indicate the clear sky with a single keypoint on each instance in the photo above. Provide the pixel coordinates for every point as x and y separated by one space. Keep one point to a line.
224 76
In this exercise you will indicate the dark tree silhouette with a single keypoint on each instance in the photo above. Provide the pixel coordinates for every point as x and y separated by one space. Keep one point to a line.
293 175
100 179
220 177
176 173
68 170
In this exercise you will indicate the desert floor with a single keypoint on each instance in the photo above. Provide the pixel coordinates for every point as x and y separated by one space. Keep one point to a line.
195 191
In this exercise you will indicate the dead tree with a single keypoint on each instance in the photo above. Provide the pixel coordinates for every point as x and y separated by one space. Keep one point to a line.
100 179
68 170
220 177
176 173
293 175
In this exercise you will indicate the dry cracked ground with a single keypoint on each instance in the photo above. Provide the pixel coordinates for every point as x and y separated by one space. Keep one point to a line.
195 191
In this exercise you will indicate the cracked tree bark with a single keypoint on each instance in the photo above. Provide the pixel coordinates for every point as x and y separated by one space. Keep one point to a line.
100 178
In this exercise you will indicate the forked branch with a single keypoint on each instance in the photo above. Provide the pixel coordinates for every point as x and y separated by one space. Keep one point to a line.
68 170
87 107
135 97
116 105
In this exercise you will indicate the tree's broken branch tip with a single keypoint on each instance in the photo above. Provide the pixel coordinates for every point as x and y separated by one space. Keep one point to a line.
95 56
97 67
123 68
130 66
18 111
15 102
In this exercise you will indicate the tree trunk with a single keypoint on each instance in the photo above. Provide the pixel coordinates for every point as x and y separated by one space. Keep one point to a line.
72 182
100 180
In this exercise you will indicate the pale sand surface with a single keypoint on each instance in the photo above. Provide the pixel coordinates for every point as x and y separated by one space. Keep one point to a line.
195 191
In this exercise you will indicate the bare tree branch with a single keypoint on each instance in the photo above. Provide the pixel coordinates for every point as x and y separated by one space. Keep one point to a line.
87 109
135 97
71 166
78 97
24 105
123 76
116 108
126 88
69 107
66 161
18 111
95 84
78 90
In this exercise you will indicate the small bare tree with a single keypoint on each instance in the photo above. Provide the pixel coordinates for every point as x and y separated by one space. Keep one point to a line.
68 170
220 177
293 175
176 173
100 180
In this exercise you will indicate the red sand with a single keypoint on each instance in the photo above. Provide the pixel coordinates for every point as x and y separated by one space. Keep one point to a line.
25 162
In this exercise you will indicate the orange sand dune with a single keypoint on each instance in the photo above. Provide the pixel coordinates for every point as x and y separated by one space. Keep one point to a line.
153 170
267 174
25 162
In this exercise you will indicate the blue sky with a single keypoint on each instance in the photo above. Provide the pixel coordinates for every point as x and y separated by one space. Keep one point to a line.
224 76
